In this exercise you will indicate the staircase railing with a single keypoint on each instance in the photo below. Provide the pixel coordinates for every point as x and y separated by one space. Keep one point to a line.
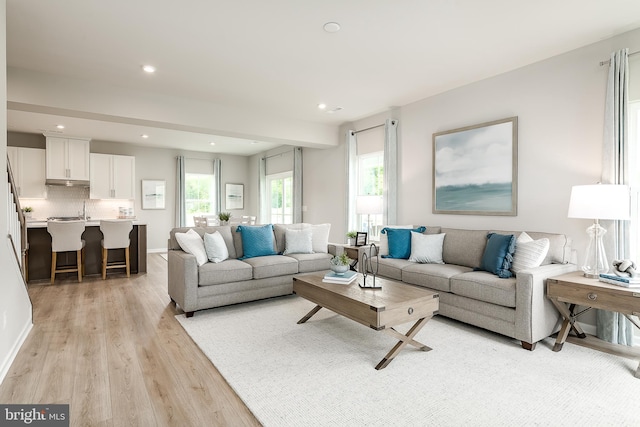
17 225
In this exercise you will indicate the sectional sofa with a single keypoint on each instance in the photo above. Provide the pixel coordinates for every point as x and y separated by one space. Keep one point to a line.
200 279
514 306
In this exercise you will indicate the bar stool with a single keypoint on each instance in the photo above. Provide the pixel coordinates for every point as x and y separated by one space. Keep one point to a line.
115 236
66 236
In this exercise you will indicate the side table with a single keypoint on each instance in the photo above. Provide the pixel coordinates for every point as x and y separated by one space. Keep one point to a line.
353 252
570 290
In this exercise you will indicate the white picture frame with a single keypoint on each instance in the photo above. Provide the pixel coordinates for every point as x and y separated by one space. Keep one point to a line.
234 196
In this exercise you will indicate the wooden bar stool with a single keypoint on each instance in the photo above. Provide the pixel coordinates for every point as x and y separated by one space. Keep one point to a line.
115 236
66 236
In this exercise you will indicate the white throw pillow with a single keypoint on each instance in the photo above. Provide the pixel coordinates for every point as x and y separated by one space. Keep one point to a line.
215 247
384 239
529 253
298 241
426 248
320 238
192 243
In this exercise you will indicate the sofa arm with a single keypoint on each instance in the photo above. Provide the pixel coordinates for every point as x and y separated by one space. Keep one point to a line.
536 317
183 280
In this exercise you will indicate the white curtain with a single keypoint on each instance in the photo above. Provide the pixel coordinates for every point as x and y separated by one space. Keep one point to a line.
181 214
262 188
217 165
615 327
297 185
390 190
352 173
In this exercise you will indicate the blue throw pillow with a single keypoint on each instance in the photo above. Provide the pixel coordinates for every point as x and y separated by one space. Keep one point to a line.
256 240
400 241
498 254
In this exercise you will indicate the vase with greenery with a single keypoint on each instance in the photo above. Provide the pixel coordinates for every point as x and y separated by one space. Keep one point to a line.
26 211
340 264
351 237
224 217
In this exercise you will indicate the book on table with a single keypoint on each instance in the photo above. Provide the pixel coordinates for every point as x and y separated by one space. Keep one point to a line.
345 278
627 282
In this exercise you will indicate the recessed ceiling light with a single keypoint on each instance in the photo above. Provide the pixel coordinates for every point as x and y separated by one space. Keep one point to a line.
149 68
254 142
322 106
331 27
212 143
144 135
60 126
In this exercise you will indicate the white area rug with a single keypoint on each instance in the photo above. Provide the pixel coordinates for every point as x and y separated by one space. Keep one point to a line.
321 373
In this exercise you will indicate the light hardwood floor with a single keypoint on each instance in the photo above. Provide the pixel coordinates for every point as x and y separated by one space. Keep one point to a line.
113 350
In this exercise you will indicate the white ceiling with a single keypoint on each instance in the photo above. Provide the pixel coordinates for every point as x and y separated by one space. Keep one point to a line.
274 56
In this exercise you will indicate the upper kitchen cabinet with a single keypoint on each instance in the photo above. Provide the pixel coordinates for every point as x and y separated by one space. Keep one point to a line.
67 160
112 176
27 165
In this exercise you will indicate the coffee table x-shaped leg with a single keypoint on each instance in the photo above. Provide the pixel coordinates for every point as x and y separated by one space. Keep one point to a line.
404 339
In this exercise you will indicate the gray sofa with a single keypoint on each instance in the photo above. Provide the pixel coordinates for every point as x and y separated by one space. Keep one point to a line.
232 281
516 307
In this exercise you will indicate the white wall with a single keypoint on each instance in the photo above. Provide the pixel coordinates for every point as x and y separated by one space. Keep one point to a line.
15 305
560 107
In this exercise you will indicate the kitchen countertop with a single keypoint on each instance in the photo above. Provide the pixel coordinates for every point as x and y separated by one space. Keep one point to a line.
92 222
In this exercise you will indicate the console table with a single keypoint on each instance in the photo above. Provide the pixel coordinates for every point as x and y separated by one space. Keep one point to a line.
568 291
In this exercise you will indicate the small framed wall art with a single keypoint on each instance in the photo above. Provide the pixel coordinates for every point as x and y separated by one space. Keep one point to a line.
153 194
234 196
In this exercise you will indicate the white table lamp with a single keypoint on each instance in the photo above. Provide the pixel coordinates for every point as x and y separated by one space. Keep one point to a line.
369 205
596 202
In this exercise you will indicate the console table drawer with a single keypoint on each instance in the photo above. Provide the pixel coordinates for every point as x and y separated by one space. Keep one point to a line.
621 300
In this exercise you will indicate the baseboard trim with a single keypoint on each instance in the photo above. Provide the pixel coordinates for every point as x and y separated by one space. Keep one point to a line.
6 364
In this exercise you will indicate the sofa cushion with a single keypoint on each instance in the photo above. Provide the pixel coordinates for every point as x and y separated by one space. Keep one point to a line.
383 244
312 262
192 243
272 266
426 248
529 253
559 245
228 271
298 242
399 241
257 240
463 247
498 254
215 246
320 238
484 286
279 233
388 267
432 276
224 230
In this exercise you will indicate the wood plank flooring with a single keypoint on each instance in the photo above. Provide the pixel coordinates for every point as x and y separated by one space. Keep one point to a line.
113 350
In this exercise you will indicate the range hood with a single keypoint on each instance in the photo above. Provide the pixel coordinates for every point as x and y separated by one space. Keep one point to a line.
67 182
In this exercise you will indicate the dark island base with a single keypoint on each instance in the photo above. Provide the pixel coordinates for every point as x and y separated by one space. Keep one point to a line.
39 254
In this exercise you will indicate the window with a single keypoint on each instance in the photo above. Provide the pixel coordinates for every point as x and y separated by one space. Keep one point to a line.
634 178
280 197
199 195
370 183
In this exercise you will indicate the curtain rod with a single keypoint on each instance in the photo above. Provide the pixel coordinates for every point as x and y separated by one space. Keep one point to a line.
280 154
608 60
393 122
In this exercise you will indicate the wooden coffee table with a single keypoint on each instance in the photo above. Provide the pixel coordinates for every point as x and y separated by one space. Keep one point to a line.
396 303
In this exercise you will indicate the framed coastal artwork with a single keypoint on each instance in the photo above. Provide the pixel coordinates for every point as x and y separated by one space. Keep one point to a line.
153 194
234 196
475 169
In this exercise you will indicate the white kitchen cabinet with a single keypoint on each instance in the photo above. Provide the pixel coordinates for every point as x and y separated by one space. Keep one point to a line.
112 176
28 167
67 159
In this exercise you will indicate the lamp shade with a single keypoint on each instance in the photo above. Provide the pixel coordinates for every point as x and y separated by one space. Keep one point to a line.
599 201
369 205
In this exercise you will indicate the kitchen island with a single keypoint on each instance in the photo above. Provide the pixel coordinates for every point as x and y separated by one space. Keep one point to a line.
39 255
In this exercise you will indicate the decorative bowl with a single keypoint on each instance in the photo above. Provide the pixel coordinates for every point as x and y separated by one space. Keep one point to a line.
339 269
